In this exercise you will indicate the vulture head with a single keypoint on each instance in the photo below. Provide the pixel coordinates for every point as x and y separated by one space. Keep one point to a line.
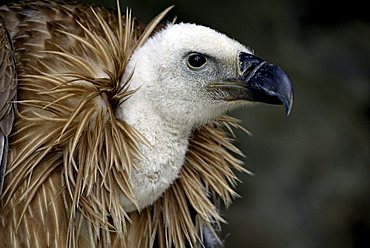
186 76
190 74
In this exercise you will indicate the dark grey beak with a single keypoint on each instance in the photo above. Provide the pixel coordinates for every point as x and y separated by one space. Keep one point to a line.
265 82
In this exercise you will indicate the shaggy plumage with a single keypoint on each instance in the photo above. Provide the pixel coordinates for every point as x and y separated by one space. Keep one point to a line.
70 157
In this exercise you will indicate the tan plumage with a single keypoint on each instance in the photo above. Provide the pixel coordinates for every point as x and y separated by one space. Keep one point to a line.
69 156
8 85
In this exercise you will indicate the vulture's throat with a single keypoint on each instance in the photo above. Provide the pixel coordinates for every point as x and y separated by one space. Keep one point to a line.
161 160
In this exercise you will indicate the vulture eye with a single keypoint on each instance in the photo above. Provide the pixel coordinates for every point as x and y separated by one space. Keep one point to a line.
196 60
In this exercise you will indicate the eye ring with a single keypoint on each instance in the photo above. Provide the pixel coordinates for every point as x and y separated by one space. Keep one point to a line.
196 61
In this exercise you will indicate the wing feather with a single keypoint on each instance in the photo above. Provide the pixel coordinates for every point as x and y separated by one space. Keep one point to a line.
8 85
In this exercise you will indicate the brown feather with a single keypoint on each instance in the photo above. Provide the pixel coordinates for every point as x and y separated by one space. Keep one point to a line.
70 158
8 86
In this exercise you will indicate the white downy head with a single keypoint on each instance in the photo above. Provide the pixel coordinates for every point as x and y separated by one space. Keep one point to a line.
177 90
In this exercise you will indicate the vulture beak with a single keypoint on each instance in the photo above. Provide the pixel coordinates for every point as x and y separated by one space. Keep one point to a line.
264 82
257 81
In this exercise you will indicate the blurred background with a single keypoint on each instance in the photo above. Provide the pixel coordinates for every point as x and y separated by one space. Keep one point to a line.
311 186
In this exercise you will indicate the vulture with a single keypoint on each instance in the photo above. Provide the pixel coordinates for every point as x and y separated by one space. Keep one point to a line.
114 133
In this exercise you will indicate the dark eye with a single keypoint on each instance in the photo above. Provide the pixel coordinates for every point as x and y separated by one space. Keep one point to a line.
196 60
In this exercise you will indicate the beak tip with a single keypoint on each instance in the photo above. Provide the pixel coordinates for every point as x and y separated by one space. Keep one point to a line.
288 104
284 90
288 109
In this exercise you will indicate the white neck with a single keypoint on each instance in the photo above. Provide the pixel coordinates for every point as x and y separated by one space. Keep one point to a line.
162 161
141 114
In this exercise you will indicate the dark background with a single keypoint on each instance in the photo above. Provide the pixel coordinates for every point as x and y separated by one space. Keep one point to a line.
312 183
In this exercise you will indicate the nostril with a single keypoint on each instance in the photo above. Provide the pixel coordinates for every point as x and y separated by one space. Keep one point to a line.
247 70
248 63
252 70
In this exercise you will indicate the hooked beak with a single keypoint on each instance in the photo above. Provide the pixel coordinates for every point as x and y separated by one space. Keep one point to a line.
259 81
265 82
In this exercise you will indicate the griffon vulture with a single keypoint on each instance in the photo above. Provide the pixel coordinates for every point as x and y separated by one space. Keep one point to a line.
112 134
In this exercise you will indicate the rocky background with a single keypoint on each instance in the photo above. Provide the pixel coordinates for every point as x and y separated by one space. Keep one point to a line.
311 186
